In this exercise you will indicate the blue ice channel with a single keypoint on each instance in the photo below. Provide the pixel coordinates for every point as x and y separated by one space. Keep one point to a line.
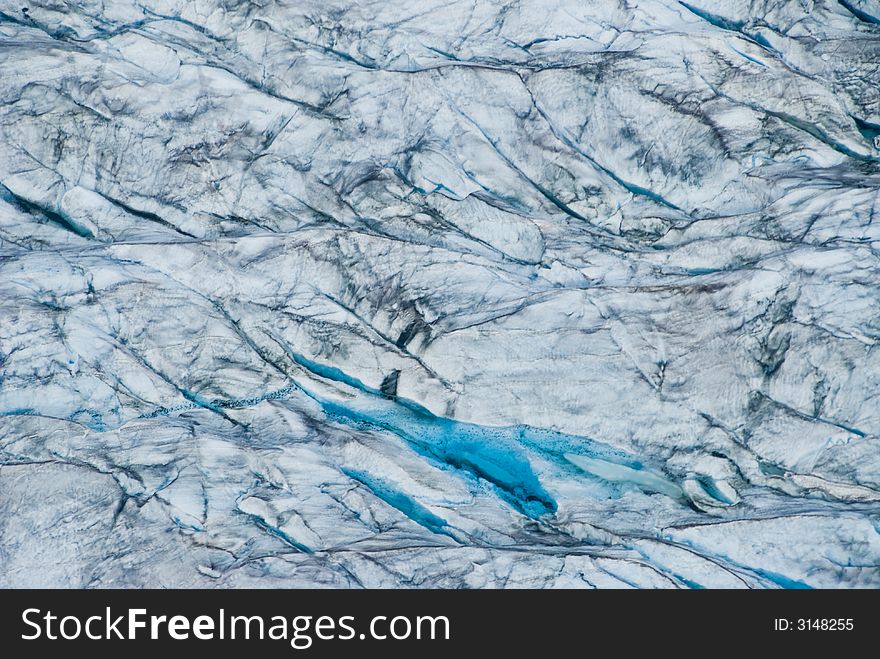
494 454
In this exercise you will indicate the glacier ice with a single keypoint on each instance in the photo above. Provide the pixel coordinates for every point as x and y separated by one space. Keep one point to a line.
440 294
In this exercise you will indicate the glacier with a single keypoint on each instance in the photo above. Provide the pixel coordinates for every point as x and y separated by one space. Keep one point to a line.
469 293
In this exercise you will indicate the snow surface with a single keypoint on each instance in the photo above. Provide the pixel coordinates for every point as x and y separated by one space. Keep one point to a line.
548 293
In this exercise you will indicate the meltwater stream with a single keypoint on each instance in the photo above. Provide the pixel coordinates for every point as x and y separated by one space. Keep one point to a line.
497 454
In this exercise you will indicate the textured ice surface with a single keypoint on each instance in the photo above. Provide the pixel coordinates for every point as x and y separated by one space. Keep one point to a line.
547 293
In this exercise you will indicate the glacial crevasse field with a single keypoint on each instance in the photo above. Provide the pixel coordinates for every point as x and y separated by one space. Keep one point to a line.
538 294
